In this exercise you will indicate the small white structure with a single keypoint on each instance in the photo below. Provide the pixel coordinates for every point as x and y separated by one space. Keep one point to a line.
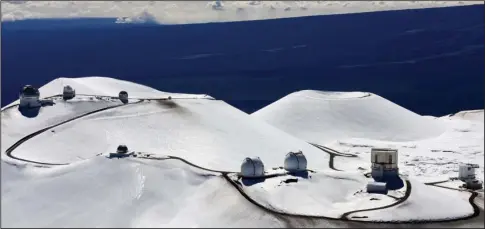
123 96
384 156
466 172
377 187
68 93
29 97
252 167
295 161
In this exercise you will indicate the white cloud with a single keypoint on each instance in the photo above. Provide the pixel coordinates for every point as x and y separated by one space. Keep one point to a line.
177 12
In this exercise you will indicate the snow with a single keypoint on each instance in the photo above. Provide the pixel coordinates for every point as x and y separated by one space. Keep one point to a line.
323 117
120 193
424 203
324 193
472 115
174 12
189 128
429 149
94 191
104 86
16 126
428 160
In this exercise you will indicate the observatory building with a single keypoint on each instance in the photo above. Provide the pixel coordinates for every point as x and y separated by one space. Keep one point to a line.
121 151
68 93
252 167
30 102
295 162
123 96
29 97
384 167
466 173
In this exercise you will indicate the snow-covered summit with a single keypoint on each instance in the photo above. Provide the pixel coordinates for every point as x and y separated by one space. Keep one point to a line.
105 86
322 117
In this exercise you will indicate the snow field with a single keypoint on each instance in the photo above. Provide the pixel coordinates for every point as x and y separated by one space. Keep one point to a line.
324 117
94 191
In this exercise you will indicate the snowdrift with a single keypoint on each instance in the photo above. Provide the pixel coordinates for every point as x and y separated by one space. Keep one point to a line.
322 117
124 193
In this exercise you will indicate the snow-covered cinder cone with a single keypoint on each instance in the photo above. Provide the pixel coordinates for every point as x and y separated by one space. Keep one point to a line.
123 96
252 167
68 93
295 162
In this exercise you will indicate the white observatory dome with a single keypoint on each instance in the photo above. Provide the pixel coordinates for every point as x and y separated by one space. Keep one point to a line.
123 96
68 92
295 161
29 97
29 92
68 89
252 167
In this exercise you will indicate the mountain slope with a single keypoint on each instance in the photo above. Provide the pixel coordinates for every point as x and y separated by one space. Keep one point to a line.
322 117
94 191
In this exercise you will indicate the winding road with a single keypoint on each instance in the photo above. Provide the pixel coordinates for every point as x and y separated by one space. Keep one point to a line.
225 174
333 153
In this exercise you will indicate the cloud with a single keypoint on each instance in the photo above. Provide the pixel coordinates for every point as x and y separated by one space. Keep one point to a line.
142 17
183 12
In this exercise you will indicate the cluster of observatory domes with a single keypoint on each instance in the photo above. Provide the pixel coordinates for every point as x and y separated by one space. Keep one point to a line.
29 95
254 167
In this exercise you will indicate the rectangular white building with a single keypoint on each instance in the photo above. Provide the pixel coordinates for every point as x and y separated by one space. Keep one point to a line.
384 158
